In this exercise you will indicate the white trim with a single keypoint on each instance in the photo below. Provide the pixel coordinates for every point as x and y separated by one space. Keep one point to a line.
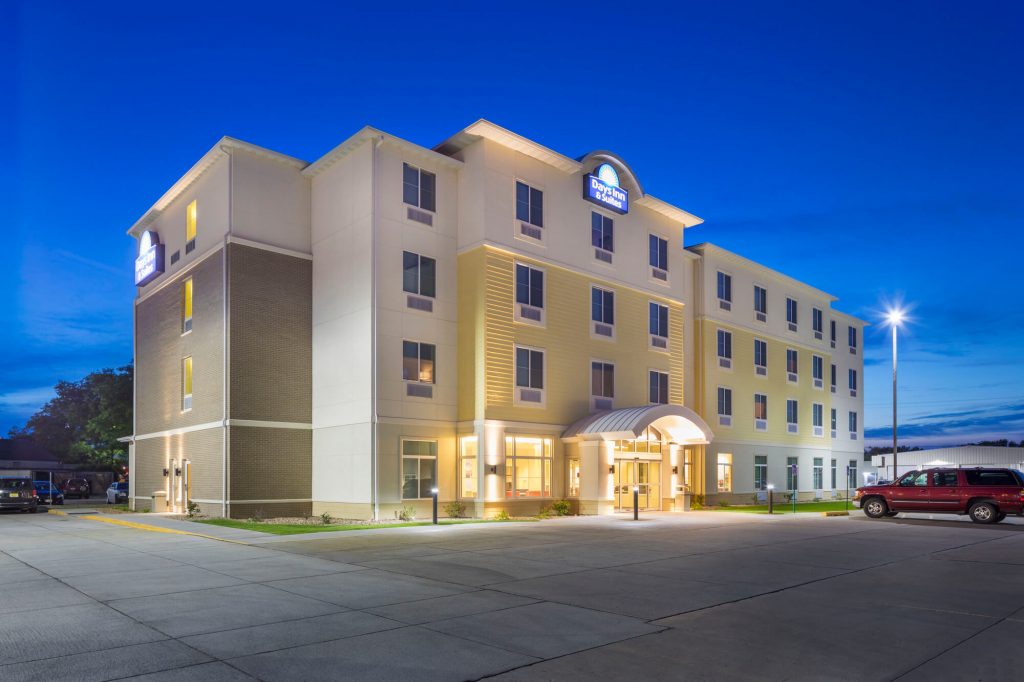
269 424
180 430
290 499
241 241
222 423
173 278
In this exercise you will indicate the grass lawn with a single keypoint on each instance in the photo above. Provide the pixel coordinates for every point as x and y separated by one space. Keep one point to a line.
296 528
782 507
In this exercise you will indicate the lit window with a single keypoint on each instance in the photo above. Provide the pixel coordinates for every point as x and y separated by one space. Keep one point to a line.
186 383
724 287
529 204
419 468
602 379
418 274
572 477
186 305
418 361
602 232
760 472
658 387
527 467
467 467
190 221
658 320
724 473
602 305
658 248
418 187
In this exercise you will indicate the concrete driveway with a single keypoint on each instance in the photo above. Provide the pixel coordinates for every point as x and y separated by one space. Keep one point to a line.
714 596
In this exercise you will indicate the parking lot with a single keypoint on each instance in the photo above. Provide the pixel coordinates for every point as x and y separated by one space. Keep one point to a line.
690 596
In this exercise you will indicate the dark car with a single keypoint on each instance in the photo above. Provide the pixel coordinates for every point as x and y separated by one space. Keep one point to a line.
77 487
117 492
18 493
986 495
46 492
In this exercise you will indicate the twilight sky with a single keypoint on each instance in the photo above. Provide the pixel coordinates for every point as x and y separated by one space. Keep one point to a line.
871 149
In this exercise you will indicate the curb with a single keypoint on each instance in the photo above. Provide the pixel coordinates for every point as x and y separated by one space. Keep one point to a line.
835 513
143 526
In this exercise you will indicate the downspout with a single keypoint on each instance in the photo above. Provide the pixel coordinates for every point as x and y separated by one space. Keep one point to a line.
373 331
226 341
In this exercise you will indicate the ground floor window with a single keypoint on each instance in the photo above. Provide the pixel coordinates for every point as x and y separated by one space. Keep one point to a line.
760 472
791 479
833 474
419 468
467 467
572 477
724 473
527 466
851 474
687 466
819 471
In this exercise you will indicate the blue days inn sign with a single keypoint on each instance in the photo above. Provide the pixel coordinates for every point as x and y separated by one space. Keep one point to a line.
602 188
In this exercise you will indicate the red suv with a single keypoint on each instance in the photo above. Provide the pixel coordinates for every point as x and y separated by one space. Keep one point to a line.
986 495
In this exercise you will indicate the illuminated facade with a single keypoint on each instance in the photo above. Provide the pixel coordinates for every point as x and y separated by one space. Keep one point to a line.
488 317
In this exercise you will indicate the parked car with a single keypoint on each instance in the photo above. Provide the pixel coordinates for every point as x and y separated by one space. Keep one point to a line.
77 487
18 493
986 495
45 492
117 492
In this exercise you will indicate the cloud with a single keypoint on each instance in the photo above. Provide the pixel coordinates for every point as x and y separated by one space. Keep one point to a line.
1007 420
25 401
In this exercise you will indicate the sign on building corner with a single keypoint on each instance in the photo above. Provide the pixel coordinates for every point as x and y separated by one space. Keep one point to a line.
150 262
602 188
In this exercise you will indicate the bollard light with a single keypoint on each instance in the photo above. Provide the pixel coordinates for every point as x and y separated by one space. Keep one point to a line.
636 503
433 493
771 500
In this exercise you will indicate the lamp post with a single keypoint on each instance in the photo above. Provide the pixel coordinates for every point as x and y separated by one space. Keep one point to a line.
636 503
433 494
894 318
771 498
847 487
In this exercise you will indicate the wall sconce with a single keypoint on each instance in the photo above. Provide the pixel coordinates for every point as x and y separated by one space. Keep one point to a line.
611 469
166 472
494 468
675 470
177 471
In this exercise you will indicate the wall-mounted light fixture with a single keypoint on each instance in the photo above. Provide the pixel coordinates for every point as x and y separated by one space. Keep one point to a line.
166 472
177 471
611 469
675 470
494 468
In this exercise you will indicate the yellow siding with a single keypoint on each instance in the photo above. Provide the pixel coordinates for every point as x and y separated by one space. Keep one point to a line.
487 273
745 383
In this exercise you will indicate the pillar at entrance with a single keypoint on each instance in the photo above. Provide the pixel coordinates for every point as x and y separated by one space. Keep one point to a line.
596 492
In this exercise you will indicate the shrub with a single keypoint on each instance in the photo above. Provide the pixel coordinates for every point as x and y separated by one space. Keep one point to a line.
193 509
454 509
561 507
325 518
407 514
257 516
723 504
502 516
697 502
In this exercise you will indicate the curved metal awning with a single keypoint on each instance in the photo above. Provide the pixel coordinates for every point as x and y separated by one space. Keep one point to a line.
681 425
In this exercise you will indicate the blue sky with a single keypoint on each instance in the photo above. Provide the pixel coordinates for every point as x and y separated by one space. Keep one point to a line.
870 149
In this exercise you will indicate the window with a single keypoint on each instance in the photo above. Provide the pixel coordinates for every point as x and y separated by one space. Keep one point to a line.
572 477
791 313
990 478
818 370
761 356
853 424
529 368
760 406
792 414
760 472
658 320
468 467
186 305
832 332
852 333
833 378
724 402
833 422
724 344
946 479
724 288
816 322
602 232
529 294
791 473
658 387
418 362
529 204
724 473
658 252
792 364
191 215
602 305
818 419
186 384
833 474
418 187
853 382
851 474
527 467
418 274
419 468
915 479
817 473
602 380
760 303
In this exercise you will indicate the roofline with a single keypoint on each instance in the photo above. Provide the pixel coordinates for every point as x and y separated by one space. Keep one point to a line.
850 318
367 133
216 153
482 128
703 247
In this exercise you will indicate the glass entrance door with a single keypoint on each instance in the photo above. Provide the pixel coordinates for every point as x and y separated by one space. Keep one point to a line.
643 473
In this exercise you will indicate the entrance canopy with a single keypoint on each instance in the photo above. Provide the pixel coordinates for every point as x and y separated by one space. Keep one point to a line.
680 424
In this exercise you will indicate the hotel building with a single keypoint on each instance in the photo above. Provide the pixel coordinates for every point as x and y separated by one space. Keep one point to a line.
489 318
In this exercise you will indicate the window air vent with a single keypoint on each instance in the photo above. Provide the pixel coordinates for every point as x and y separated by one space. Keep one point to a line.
791 377
792 327
530 395
818 383
761 317
724 305
819 431
414 390
833 388
659 342
603 256
853 351
528 312
760 424
724 420
658 273
175 257
531 231
853 435
833 434
603 329
792 428
419 216
187 326
186 402
832 343
419 303
853 393
602 403
725 362
761 370
817 336
190 246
